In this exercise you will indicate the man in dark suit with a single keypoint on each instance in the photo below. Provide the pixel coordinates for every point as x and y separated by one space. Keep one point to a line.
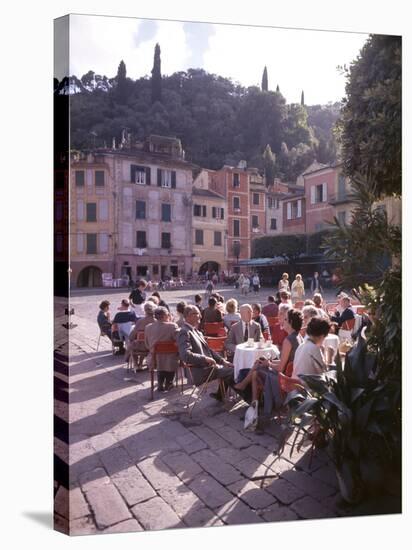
346 312
194 350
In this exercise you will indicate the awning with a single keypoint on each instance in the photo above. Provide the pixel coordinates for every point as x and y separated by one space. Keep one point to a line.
263 262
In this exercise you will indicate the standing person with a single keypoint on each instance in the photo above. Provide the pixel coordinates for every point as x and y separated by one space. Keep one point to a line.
315 285
209 289
256 283
245 285
138 297
284 283
298 288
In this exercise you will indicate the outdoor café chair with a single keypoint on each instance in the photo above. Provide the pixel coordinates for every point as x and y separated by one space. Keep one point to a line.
138 354
201 388
161 348
217 344
214 329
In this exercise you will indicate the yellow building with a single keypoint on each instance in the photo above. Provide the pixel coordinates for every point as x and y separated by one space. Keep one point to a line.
209 238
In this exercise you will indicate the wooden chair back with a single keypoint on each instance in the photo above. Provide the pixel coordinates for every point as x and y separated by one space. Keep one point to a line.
216 343
214 329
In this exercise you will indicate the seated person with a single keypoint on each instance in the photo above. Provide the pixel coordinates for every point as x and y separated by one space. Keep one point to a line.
161 302
271 308
332 341
198 302
180 307
258 317
264 374
124 319
162 330
211 314
232 315
309 312
346 312
103 319
243 330
194 350
135 346
309 357
285 297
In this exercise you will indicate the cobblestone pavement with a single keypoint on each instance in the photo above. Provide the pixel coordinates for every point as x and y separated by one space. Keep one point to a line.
137 464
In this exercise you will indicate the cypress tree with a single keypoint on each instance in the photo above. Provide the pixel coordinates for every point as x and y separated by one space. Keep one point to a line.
302 98
265 80
121 82
278 89
156 76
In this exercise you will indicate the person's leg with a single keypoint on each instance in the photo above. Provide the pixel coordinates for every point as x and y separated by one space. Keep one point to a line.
245 382
160 380
169 377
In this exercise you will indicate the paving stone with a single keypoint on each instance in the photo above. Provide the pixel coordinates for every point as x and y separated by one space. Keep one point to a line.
128 526
94 479
277 512
250 493
253 469
156 514
284 491
236 512
115 459
182 465
103 441
78 505
61 502
309 508
107 505
160 475
172 428
308 484
212 440
231 456
233 437
327 475
133 486
210 491
213 464
215 421
191 443
202 517
311 462
265 440
82 526
181 499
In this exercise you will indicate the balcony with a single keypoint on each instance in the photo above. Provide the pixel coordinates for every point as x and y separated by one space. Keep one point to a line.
256 229
237 210
341 198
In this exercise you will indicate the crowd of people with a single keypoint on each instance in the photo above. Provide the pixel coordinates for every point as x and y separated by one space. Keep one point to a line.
305 331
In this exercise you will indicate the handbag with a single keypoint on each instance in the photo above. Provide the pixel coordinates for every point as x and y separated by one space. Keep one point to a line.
251 417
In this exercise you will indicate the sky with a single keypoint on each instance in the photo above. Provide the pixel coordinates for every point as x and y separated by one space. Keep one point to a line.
296 60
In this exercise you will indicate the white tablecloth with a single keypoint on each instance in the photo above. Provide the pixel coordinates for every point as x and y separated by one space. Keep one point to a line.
245 357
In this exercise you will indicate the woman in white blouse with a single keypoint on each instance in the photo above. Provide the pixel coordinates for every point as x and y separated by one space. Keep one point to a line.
309 357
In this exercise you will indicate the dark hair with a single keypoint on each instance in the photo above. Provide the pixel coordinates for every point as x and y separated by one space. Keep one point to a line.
333 328
257 307
271 299
295 319
104 304
160 313
212 301
198 298
125 302
180 307
284 294
155 293
317 327
142 282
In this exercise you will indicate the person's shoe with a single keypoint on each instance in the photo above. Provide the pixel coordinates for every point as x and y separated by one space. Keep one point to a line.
160 389
216 395
169 386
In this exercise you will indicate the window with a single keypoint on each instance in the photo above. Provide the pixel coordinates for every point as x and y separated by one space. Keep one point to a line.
99 178
140 174
103 243
91 212
204 211
236 228
155 269
217 238
91 243
273 223
342 217
166 213
294 210
318 193
236 180
256 199
199 236
141 239
166 240
270 202
197 210
236 203
217 213
255 221
79 178
140 210
103 210
80 243
166 178
80 210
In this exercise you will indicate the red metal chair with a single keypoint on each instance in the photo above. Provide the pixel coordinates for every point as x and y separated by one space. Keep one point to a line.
217 344
214 329
144 353
288 384
278 334
360 310
348 325
162 348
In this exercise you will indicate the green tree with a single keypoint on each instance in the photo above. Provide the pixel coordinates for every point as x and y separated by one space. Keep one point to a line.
289 247
122 87
371 116
269 162
302 98
278 89
156 76
265 80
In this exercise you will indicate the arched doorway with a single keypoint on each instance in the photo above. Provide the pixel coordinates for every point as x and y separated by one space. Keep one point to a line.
210 267
90 277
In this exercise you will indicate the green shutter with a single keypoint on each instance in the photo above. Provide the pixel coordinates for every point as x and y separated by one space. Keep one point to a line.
173 179
132 173
159 177
148 174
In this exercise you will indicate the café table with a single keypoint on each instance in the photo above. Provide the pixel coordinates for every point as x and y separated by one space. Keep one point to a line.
246 354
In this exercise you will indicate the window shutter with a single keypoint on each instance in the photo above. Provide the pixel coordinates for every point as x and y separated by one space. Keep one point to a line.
299 215
104 242
80 243
80 210
204 211
173 179
313 194
214 212
104 210
133 173
324 192
289 210
159 177
222 213
148 174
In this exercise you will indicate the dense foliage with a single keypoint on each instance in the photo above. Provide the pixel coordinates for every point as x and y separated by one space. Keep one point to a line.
218 121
